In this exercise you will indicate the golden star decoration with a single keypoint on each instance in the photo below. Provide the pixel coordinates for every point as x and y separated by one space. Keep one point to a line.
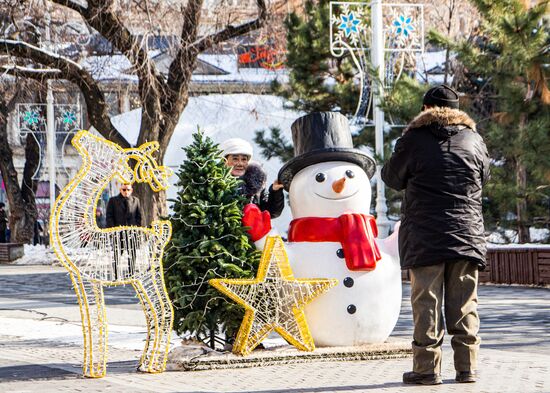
274 300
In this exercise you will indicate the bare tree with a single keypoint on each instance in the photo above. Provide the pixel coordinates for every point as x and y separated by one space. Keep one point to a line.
21 197
162 98
455 19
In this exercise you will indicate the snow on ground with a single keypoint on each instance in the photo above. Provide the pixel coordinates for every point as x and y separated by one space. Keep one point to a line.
120 336
36 255
222 116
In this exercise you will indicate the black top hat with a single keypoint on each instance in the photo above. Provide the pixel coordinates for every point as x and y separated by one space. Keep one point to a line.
321 137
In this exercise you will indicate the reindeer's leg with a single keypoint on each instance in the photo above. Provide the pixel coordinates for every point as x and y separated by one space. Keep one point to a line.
167 317
159 316
149 319
94 325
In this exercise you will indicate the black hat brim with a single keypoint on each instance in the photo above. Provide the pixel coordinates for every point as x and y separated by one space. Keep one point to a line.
354 156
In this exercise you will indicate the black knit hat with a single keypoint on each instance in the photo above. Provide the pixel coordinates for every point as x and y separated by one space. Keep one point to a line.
441 95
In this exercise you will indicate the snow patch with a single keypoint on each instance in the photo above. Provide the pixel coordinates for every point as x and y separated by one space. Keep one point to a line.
37 255
538 235
120 336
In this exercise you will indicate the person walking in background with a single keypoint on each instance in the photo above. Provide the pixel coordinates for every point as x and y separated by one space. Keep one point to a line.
3 223
238 153
124 210
99 218
38 232
442 163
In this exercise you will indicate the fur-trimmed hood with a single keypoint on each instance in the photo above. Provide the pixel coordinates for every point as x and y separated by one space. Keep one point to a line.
439 118
254 179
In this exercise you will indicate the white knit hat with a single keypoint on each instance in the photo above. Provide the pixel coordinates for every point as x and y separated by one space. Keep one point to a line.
236 146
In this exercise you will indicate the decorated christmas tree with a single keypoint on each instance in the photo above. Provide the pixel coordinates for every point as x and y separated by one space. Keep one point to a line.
208 242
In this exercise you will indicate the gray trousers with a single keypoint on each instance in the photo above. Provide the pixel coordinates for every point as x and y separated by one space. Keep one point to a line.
451 287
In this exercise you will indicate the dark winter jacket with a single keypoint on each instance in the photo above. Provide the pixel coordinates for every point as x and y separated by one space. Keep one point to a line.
253 187
3 220
123 211
441 162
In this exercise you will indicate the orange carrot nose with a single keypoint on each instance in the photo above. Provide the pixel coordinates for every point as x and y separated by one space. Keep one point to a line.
339 185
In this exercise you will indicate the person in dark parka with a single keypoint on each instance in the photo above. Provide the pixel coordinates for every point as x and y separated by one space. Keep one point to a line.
123 210
442 163
3 223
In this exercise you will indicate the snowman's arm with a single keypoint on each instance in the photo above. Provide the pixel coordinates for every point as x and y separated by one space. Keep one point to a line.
390 244
260 243
259 224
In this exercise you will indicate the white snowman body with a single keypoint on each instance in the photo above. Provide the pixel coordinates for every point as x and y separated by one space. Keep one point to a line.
364 307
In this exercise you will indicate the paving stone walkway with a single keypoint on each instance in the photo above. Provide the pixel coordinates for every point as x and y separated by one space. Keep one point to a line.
515 354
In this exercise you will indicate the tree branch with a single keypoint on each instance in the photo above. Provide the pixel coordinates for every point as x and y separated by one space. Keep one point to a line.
233 31
178 74
38 74
72 5
23 49
181 68
100 16
191 16
95 101
105 21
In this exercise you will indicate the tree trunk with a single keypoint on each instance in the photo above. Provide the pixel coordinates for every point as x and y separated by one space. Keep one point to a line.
22 207
521 203
521 184
153 204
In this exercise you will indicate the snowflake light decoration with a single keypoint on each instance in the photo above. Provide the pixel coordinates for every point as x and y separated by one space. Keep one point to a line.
403 25
31 117
69 118
404 29
350 24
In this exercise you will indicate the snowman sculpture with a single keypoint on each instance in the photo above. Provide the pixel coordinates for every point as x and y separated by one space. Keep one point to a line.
333 235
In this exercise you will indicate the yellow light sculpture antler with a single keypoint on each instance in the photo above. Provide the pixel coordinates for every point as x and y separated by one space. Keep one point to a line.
96 257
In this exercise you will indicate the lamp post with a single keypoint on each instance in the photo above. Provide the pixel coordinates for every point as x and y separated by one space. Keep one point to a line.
388 28
50 143
50 123
377 60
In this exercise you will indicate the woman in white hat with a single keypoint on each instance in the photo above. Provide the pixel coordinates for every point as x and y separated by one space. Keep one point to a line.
238 153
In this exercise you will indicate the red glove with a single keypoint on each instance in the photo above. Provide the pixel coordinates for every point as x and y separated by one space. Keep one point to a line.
258 221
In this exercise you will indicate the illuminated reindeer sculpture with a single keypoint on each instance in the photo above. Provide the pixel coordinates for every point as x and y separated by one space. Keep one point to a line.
96 257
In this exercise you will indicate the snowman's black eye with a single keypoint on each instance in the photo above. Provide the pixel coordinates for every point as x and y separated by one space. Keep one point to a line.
350 174
320 177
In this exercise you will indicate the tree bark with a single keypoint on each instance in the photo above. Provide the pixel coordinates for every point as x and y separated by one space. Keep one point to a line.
23 211
521 203
521 184
153 204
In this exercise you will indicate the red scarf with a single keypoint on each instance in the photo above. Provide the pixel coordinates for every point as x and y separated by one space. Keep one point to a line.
356 233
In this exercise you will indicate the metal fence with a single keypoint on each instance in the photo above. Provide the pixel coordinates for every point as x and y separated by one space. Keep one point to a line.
529 265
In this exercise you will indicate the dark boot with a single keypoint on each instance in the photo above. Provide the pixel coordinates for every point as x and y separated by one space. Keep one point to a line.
465 376
421 379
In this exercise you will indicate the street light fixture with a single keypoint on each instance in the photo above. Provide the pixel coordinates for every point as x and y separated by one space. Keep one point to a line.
395 29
